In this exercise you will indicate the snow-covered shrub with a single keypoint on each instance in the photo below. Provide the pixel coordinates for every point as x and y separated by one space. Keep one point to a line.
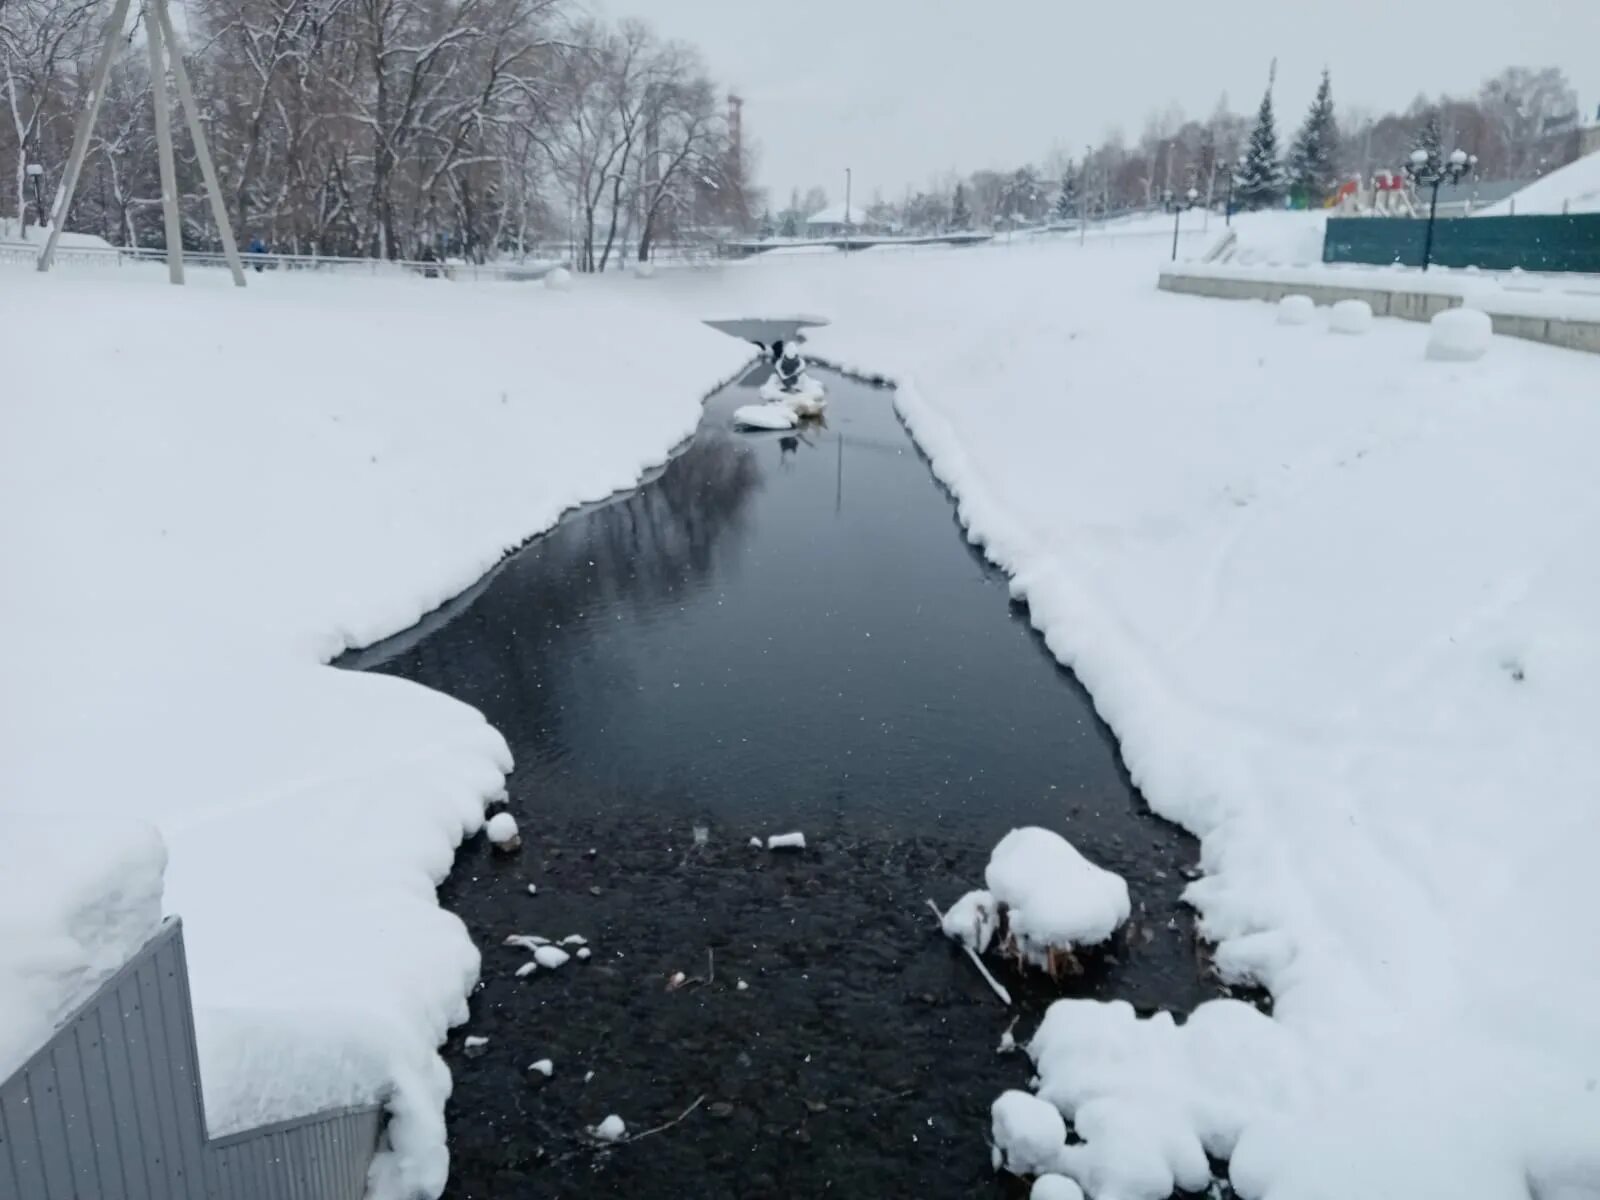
1351 316
502 831
559 279
1459 335
1051 899
1028 1133
1296 310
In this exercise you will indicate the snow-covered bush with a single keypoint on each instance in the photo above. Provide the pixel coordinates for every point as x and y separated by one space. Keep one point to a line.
1459 335
1351 316
558 279
1028 1134
1296 310
502 831
1051 899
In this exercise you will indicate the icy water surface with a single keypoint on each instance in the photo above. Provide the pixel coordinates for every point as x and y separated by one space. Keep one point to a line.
779 632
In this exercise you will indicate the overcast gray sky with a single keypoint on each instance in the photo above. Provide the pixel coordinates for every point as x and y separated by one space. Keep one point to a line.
903 90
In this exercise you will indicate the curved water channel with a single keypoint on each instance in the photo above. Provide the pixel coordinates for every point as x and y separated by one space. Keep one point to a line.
777 632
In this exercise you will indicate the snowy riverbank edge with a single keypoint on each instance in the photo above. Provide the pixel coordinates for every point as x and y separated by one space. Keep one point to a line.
1310 627
188 548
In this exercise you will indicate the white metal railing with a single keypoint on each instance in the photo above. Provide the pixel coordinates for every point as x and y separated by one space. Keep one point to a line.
116 256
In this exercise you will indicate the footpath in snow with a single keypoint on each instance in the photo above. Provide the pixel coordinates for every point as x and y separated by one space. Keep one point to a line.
1339 604
208 494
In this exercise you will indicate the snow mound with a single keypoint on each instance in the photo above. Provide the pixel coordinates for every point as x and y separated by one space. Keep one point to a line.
558 279
972 920
1055 1187
644 270
77 901
765 416
1028 1134
806 400
1574 188
1351 316
1151 1099
551 957
1052 898
1459 335
502 831
1296 310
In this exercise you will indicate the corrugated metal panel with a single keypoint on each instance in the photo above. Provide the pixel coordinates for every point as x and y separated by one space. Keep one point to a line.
111 1109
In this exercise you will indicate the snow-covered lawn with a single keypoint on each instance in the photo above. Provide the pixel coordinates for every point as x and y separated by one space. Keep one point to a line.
1341 605
205 496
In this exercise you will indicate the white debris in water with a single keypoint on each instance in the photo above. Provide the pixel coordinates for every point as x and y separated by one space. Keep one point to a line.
544 1066
551 957
583 954
755 843
587 1076
502 831
611 1129
676 980
574 939
1028 1134
533 889
787 841
742 986
526 969
1007 1043
474 1046
526 941
972 920
702 835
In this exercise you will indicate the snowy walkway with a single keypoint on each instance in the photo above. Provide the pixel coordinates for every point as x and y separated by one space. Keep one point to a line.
1339 605
206 495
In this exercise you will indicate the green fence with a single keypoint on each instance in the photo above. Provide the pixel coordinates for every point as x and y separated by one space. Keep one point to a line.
1569 243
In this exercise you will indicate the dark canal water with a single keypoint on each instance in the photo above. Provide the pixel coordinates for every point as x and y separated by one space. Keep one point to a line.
778 632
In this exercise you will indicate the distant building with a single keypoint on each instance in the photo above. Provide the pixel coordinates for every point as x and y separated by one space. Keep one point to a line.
831 222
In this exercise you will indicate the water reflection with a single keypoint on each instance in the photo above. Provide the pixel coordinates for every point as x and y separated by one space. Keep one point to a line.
784 627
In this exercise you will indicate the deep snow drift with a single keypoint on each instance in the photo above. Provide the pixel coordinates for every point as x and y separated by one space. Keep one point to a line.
1339 603
210 493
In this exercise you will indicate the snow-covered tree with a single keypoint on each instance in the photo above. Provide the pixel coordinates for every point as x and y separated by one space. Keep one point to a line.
1313 158
1429 138
1261 178
960 218
1067 201
791 224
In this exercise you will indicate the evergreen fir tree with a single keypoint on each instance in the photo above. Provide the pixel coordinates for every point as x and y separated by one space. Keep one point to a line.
1261 179
960 218
768 226
791 226
1429 138
1067 201
1313 159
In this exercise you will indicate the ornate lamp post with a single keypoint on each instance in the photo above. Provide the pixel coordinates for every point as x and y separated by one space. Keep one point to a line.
1425 173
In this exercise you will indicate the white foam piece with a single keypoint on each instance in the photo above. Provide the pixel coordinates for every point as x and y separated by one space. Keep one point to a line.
1459 335
787 841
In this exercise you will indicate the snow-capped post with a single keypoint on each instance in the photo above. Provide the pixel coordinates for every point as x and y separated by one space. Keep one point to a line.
1426 170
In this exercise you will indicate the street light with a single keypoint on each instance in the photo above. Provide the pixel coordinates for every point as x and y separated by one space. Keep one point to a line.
36 173
1234 171
1190 198
1424 172
847 201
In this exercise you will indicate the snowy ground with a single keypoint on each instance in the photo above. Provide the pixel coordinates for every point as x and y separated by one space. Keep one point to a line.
209 493
1574 188
1339 605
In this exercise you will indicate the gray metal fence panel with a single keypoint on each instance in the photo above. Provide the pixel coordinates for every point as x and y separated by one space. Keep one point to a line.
111 1109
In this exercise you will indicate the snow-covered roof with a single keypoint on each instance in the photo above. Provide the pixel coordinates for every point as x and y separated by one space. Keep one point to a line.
1573 188
834 215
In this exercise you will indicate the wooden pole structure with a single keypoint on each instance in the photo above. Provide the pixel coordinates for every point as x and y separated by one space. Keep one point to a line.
169 172
219 211
109 34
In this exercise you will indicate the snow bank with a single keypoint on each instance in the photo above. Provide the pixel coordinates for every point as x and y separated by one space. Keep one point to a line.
1296 310
210 494
1051 896
1343 623
78 898
1029 1135
1350 316
1574 188
1459 335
